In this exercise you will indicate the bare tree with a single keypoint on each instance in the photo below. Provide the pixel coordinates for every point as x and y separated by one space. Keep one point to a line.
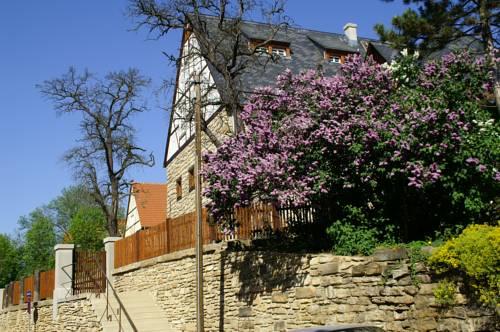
107 148
220 41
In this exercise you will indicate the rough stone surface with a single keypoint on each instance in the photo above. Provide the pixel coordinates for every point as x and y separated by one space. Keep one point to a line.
222 127
75 315
266 291
390 254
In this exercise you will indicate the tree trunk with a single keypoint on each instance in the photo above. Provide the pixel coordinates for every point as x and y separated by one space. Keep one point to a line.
115 201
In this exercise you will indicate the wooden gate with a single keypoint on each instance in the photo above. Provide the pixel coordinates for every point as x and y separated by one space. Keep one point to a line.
89 272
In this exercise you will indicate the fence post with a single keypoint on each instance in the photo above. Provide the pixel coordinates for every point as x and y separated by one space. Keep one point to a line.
63 274
21 291
2 295
36 286
167 237
109 247
9 293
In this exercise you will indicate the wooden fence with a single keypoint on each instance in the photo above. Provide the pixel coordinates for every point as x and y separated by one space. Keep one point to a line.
28 284
47 282
173 235
89 272
16 293
256 221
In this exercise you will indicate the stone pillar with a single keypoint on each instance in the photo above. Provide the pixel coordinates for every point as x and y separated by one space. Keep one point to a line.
109 247
63 274
2 295
36 286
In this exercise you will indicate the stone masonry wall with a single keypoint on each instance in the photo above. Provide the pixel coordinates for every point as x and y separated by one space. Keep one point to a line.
222 126
73 315
265 291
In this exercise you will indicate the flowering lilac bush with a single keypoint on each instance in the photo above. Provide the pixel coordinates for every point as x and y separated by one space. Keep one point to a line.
408 147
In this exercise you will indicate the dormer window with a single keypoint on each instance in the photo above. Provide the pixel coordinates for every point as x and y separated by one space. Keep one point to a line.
334 56
261 50
279 51
275 48
334 59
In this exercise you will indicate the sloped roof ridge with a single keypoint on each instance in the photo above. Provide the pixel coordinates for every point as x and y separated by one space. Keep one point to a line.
297 28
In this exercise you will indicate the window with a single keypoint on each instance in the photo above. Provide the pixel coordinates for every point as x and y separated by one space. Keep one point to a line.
335 59
178 188
279 51
276 48
191 178
261 50
334 56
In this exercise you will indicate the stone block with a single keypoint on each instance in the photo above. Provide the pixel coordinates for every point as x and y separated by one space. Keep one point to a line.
245 311
305 292
279 298
328 268
247 325
313 309
400 272
405 299
374 315
280 326
366 270
427 324
389 254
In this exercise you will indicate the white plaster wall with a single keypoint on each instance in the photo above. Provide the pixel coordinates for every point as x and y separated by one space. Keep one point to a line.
133 221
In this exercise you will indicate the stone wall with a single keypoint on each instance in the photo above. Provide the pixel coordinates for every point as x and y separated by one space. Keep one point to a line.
74 314
265 291
222 126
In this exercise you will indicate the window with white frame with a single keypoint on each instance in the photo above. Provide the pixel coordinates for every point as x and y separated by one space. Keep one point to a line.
281 51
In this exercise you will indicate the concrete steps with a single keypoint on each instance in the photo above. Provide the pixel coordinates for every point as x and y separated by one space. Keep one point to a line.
141 307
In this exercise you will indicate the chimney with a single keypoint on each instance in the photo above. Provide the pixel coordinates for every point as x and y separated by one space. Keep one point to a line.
351 32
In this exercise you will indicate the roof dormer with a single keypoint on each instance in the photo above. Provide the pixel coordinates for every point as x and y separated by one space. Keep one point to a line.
271 47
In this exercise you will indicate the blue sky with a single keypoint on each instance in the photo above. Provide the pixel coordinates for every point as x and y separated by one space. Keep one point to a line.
39 40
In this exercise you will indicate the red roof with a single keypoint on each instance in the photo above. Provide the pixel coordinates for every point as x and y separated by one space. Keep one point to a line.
151 202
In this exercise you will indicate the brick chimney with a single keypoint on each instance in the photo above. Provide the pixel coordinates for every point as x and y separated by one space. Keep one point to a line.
351 32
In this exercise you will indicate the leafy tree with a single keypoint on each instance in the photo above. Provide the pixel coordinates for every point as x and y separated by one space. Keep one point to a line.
107 149
87 229
9 260
437 23
404 150
37 248
64 208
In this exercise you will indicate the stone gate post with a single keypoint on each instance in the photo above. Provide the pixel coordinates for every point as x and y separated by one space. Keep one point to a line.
109 247
2 295
63 279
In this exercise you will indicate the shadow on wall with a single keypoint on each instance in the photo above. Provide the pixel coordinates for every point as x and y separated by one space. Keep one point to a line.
262 272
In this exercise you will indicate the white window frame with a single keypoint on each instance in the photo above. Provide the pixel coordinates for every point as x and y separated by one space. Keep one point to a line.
280 51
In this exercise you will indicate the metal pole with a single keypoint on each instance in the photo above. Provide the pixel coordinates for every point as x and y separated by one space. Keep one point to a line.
199 231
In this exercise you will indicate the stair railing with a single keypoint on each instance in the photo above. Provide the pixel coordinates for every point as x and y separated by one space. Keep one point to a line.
120 303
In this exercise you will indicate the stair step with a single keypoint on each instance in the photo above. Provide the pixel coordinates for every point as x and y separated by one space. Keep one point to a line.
145 314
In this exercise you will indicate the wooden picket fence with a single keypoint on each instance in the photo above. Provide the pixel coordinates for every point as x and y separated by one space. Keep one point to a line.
256 221
89 272
45 290
47 282
16 293
174 235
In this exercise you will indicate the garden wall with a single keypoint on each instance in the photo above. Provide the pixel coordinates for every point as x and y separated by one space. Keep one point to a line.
74 314
266 291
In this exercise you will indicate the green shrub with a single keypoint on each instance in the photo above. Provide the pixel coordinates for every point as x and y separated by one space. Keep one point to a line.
358 233
445 292
349 239
475 256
